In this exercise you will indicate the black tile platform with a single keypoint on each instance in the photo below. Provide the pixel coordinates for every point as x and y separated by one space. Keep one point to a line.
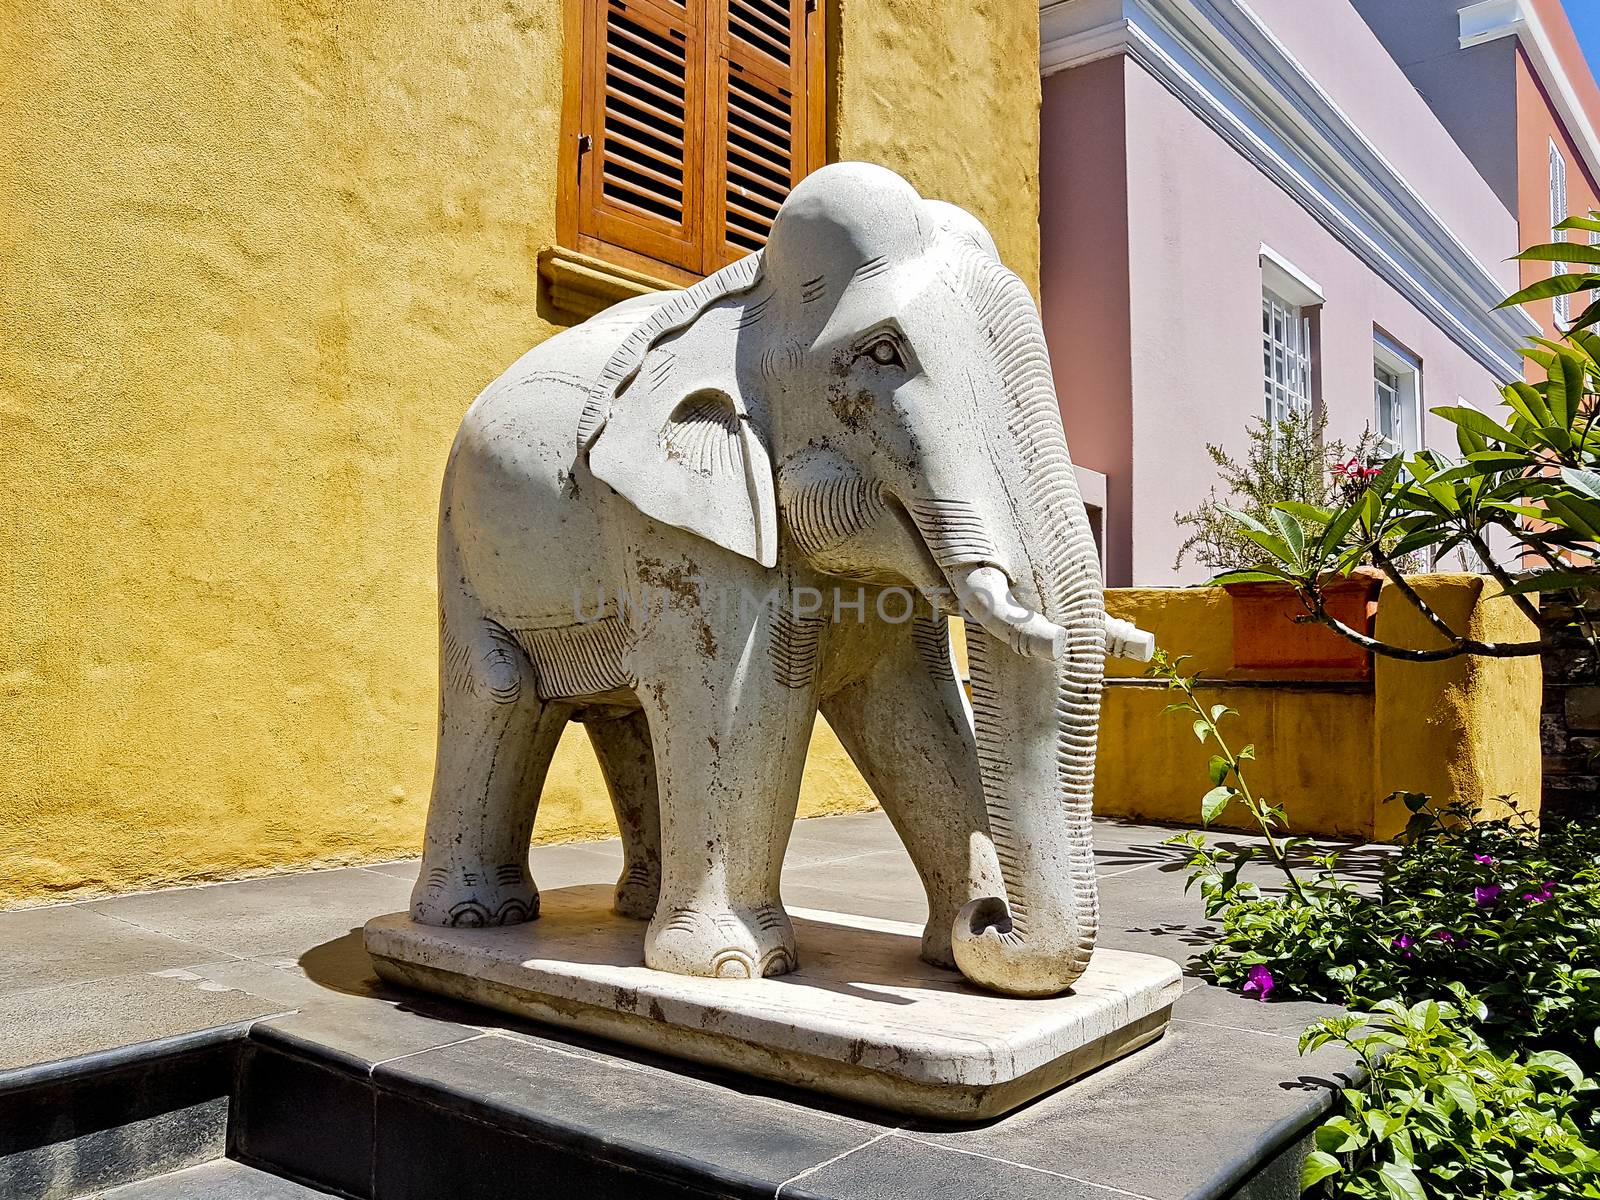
371 1092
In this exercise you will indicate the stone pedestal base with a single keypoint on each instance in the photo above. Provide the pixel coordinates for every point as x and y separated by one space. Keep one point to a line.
863 1018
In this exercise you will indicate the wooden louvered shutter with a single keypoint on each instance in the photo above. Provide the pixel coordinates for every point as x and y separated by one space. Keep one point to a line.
760 137
642 184
688 121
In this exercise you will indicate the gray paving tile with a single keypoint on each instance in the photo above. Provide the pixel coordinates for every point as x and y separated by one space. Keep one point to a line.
631 1113
887 873
1213 1005
860 897
223 1179
276 915
361 1036
48 947
1218 1093
46 1024
899 1168
823 839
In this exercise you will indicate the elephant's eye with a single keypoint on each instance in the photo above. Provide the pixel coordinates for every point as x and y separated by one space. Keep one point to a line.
883 350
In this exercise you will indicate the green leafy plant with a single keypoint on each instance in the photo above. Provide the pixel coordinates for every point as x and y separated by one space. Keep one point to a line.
1503 919
1585 278
1529 477
1286 461
1442 1114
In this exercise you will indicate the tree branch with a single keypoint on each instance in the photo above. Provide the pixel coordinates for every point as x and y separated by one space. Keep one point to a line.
1410 593
1458 648
1526 606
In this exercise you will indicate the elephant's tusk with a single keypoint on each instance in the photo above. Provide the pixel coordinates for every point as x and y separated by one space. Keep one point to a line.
986 598
1124 639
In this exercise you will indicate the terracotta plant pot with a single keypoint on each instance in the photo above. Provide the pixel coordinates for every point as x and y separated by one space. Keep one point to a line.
1268 639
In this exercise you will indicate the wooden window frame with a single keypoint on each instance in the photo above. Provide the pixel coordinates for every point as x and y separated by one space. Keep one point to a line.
641 248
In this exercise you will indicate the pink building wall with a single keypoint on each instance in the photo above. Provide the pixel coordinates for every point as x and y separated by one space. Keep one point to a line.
1195 317
1084 284
1151 281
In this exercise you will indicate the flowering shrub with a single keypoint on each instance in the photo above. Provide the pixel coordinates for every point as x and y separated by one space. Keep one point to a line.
1492 1095
1286 461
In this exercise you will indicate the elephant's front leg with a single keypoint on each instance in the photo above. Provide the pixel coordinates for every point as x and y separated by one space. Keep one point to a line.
730 718
906 729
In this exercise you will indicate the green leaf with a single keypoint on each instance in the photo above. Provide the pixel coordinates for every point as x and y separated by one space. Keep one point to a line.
1250 576
1558 285
1554 581
1590 223
1219 769
1554 1060
1292 532
1574 252
1479 422
1338 1136
1564 390
1244 519
1318 1166
1400 1182
1306 513
1214 802
1275 546
1526 400
1202 729
1458 1091
1586 482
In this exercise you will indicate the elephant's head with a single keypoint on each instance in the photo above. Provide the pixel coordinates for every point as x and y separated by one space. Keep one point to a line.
874 387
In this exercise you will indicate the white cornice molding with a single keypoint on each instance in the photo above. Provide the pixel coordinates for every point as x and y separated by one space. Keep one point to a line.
1221 61
1491 20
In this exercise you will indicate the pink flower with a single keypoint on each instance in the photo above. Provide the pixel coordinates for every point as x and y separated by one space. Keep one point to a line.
1403 943
1487 894
1485 860
1444 935
1258 983
1547 892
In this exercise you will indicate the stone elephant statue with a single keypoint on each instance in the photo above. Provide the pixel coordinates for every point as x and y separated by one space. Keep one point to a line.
698 518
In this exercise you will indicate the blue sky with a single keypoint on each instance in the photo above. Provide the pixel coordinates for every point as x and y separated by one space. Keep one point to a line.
1585 18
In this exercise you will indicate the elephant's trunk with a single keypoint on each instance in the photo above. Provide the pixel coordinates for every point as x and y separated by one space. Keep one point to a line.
1037 660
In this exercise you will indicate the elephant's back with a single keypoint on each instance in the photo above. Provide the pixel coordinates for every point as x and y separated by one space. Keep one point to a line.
525 534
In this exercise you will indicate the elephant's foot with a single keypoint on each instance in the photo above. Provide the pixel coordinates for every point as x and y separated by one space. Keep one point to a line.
721 943
470 897
637 893
936 941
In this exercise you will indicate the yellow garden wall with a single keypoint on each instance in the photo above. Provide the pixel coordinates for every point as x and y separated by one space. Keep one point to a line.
1461 729
255 261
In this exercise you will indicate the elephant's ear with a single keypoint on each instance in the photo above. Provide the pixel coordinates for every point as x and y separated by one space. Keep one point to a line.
685 455
696 463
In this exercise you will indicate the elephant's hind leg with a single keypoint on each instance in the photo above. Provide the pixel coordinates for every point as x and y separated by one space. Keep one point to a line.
622 745
495 743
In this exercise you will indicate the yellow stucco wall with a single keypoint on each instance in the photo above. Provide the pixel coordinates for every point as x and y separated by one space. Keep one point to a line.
1462 729
255 261
948 94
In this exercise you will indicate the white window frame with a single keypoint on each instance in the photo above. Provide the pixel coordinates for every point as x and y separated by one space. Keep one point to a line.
1405 368
1594 240
1288 363
1286 357
1561 305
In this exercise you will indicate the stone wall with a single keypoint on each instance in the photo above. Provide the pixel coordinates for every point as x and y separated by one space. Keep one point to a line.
1569 720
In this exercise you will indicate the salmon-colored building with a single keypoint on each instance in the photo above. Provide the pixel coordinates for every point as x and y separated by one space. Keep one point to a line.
1249 208
1509 81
